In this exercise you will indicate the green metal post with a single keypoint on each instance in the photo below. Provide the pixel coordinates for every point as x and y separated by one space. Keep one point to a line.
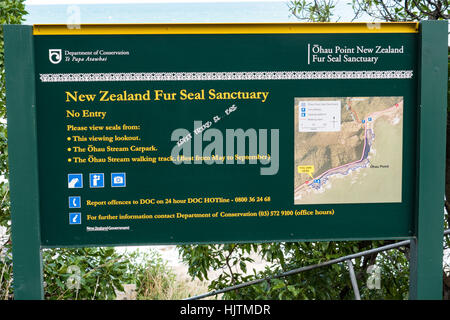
23 166
427 246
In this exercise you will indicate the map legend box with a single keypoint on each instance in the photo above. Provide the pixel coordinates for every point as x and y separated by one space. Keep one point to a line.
320 116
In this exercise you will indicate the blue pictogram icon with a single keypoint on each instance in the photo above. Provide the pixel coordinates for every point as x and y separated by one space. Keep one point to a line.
303 109
75 218
75 180
74 202
118 179
303 114
96 180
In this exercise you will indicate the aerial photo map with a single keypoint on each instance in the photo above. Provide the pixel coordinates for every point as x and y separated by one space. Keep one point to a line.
348 150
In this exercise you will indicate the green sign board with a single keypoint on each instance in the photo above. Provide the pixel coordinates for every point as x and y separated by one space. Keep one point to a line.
173 134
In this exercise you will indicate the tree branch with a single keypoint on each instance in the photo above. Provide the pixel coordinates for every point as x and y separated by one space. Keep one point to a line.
227 261
409 12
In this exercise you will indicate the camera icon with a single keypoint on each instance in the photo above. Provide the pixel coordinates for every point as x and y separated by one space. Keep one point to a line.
118 179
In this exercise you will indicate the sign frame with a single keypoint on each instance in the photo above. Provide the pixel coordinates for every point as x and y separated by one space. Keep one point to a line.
426 242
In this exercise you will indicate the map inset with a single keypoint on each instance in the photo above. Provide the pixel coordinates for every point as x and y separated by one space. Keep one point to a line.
348 150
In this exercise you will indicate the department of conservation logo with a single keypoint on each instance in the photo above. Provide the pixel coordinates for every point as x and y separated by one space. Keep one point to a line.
55 55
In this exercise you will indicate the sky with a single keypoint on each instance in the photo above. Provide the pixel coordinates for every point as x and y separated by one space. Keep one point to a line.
40 2
342 12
